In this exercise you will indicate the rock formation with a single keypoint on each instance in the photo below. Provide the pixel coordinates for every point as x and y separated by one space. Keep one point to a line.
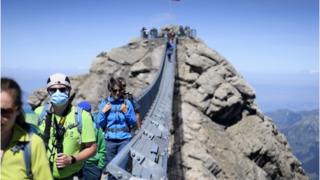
138 62
218 132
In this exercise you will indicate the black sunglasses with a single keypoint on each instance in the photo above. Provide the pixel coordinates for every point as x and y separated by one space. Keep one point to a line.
53 90
117 90
8 112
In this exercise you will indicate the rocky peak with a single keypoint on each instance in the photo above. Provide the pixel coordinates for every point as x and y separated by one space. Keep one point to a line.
138 62
218 131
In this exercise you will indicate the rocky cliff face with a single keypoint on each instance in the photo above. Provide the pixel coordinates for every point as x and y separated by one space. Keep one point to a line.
302 131
138 62
218 132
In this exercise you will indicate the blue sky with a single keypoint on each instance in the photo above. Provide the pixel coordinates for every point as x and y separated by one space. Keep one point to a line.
262 39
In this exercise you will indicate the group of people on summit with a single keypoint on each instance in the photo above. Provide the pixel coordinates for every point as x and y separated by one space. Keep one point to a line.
66 141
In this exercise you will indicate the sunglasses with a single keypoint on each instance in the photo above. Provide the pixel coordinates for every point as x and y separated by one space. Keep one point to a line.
53 90
116 90
8 112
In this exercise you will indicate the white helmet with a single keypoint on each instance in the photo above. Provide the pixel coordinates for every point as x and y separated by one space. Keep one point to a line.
58 78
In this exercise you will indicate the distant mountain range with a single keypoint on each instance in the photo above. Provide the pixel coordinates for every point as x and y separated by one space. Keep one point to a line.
302 132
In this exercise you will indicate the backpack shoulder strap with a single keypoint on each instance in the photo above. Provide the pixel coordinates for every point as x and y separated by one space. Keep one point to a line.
108 99
27 157
78 117
129 97
126 101
43 114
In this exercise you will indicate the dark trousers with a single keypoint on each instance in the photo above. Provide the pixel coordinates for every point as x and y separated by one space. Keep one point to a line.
113 148
169 53
91 172
169 57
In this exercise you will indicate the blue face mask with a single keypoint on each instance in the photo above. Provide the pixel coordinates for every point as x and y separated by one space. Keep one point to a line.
59 99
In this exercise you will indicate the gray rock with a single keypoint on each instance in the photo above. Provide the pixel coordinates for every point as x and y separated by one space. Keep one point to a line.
148 63
210 80
243 87
226 95
200 62
203 50
258 141
127 55
197 99
102 66
185 74
36 98
147 77
142 66
155 54
224 133
225 105
119 62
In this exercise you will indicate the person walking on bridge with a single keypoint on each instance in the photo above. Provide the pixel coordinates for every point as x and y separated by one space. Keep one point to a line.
23 155
133 100
69 142
116 116
93 167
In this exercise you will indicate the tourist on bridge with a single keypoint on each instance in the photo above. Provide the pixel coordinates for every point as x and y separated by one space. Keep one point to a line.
93 167
67 132
23 155
116 116
170 49
172 35
170 43
133 100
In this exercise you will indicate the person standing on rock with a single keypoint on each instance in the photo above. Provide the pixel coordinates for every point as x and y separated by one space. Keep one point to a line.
22 155
69 143
116 116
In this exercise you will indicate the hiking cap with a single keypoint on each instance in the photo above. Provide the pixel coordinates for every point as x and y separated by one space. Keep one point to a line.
58 78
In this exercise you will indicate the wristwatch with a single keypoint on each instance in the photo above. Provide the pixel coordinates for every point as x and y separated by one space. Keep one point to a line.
73 160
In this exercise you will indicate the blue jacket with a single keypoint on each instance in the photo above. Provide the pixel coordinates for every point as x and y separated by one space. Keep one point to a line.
116 123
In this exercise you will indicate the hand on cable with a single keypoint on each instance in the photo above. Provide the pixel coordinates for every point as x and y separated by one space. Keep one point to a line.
63 160
106 108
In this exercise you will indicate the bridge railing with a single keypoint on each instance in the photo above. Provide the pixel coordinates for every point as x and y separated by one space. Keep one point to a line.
147 97
149 147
